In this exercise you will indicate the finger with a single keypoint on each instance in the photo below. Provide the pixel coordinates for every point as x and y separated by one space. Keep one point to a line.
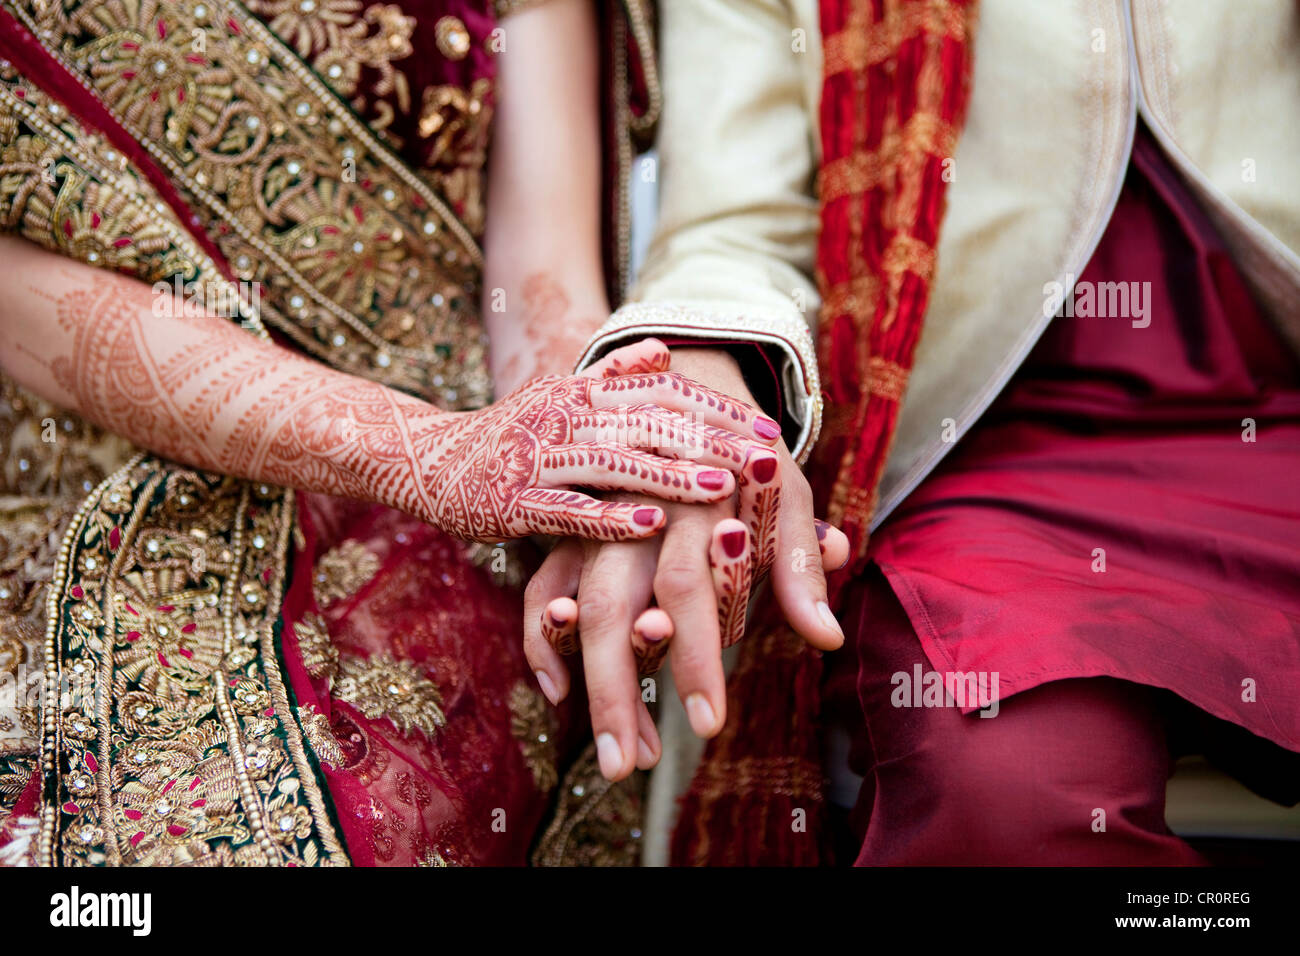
648 747
615 585
797 577
639 358
680 394
593 465
666 433
759 509
834 544
560 626
729 565
651 636
556 578
567 513
684 589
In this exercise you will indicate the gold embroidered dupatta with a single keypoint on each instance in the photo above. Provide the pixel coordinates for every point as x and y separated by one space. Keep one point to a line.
190 144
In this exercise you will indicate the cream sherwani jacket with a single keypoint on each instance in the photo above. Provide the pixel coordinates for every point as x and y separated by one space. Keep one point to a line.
1058 88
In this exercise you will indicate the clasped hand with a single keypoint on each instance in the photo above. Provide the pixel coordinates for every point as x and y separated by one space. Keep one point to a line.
597 596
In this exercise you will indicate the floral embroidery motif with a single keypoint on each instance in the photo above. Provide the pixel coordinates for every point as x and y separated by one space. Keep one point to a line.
15 772
164 594
338 39
456 123
48 461
533 724
596 823
319 655
381 686
343 571
316 728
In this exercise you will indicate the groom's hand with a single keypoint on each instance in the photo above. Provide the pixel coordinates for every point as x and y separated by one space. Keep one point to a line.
801 545
699 573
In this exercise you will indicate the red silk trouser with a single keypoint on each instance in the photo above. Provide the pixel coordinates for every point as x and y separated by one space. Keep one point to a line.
1028 786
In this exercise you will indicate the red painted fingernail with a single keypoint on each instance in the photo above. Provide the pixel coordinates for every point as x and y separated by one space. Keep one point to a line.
764 470
711 480
733 543
822 527
646 516
766 428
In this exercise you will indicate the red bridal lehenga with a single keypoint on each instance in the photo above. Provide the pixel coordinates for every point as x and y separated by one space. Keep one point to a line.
207 671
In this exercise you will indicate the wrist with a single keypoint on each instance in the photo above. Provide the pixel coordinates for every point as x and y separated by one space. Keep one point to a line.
391 457
711 366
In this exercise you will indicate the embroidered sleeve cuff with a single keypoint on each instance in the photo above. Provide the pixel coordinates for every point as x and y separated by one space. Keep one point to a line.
785 337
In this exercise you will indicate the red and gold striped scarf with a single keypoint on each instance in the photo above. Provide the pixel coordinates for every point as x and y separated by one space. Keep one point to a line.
896 82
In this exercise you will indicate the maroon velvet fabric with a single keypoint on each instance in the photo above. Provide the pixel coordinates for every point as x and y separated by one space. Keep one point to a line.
1127 440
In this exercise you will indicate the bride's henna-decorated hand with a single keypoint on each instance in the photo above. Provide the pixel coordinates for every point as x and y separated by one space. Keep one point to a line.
200 391
506 471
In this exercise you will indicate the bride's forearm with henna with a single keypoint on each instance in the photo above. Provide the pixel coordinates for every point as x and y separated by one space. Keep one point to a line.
203 392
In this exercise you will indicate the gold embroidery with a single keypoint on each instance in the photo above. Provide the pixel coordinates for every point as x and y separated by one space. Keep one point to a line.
458 121
59 206
49 459
382 687
319 655
596 823
432 858
860 43
19 838
316 728
193 756
534 725
888 379
15 772
358 260
923 134
343 571
452 37
338 43
504 560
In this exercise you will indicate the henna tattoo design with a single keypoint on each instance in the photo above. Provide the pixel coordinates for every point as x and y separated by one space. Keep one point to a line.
550 335
651 649
202 392
731 567
561 634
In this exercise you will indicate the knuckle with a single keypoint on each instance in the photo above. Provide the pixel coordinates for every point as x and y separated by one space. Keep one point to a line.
676 580
692 664
795 488
601 606
606 706
796 481
537 590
